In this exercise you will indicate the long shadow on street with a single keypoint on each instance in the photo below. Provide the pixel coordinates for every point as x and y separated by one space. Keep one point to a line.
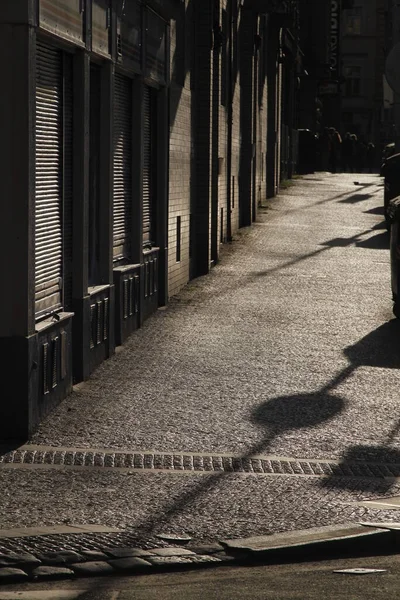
286 413
379 349
380 240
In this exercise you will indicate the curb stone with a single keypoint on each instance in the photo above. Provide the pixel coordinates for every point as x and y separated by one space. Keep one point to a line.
132 563
21 560
195 559
63 557
50 572
67 564
128 553
92 568
346 539
11 575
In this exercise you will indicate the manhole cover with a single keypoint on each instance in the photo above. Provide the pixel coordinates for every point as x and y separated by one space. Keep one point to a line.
359 571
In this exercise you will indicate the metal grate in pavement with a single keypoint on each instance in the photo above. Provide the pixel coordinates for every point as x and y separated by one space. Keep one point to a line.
52 457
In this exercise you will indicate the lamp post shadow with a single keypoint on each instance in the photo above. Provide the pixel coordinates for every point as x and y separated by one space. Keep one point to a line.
275 416
299 411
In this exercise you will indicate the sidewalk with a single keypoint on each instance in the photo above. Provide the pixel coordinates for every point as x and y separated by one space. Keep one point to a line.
263 399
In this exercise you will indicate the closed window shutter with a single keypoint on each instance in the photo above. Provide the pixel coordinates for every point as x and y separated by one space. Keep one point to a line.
67 181
147 168
122 184
94 175
48 184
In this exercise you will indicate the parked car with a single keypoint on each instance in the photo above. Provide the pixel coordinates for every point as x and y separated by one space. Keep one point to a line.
388 151
390 170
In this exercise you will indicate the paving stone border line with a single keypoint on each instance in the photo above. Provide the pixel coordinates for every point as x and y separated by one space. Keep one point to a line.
197 463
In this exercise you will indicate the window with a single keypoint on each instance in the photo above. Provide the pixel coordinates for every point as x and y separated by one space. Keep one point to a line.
352 22
353 81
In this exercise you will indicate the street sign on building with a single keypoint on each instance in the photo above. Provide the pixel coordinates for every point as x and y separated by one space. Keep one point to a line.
334 49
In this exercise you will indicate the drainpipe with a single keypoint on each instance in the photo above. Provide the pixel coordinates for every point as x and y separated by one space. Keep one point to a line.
231 22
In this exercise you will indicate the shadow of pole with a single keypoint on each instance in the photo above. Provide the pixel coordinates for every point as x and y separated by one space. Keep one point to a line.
299 411
290 413
276 416
381 242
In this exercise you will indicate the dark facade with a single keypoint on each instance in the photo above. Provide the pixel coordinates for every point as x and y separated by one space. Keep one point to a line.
137 137
319 90
84 171
363 41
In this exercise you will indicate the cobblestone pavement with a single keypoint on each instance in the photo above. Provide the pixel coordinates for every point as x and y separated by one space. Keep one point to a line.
287 349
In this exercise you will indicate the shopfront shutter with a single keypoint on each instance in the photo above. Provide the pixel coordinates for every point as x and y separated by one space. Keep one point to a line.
147 167
67 181
48 180
122 185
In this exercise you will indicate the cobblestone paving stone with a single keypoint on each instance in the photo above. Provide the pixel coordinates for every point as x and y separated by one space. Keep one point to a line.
205 507
287 349
237 506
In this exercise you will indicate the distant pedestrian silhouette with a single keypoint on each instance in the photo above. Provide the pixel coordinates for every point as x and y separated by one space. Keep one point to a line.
335 149
371 156
347 152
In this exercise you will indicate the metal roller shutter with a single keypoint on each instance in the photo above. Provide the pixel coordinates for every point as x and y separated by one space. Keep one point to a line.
67 182
147 167
94 175
122 185
48 184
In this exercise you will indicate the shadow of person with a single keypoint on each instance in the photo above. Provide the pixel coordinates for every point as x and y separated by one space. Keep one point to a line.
287 413
377 210
379 241
380 348
354 198
380 225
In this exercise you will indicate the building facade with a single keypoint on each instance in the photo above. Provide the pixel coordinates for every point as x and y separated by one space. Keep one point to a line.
137 137
391 90
363 43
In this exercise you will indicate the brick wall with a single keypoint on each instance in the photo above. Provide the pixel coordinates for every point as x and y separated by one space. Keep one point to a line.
278 103
223 128
262 121
181 146
202 201
236 16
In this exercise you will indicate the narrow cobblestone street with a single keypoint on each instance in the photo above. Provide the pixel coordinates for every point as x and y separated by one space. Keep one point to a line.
264 398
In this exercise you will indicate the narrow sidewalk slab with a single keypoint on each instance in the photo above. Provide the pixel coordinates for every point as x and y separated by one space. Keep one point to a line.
330 540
